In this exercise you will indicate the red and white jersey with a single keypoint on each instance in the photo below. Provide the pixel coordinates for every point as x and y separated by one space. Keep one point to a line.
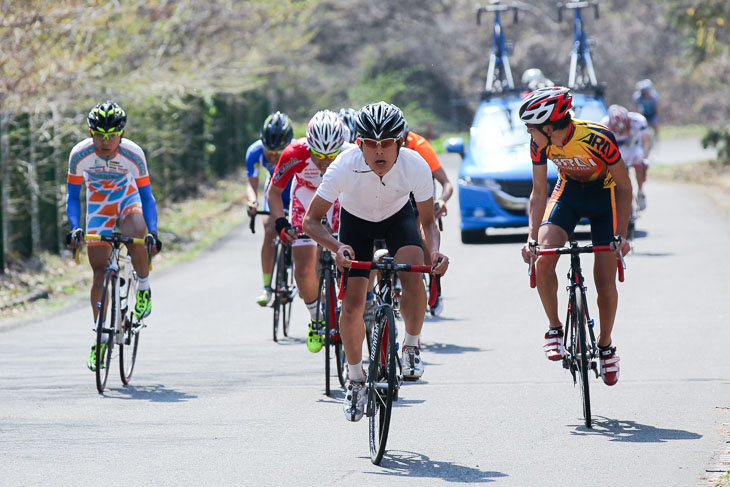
296 162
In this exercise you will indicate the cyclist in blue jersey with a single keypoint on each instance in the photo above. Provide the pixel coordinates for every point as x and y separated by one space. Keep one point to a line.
275 135
646 102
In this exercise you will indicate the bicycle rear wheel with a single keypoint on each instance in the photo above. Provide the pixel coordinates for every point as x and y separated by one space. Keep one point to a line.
130 334
381 383
103 360
583 351
289 293
278 287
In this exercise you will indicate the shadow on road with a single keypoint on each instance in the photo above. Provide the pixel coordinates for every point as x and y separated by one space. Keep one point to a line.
633 432
448 348
153 393
414 465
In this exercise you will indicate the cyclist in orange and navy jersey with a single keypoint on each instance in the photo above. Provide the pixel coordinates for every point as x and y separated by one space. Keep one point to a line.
593 183
118 194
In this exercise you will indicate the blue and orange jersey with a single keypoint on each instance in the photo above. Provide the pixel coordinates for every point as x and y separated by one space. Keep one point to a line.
587 152
110 183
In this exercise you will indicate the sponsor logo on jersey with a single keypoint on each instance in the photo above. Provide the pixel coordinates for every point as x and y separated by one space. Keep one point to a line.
601 144
575 163
285 168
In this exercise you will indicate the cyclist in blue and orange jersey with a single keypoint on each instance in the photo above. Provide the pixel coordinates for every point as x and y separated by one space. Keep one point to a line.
646 102
413 141
348 117
373 182
633 139
305 160
275 135
118 194
593 183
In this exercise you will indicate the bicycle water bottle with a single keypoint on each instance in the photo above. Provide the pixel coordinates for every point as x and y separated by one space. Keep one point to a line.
123 293
397 343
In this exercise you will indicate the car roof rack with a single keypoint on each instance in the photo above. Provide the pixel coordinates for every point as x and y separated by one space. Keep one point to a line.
499 73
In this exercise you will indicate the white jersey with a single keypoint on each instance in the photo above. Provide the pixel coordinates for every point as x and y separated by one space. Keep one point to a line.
632 150
363 194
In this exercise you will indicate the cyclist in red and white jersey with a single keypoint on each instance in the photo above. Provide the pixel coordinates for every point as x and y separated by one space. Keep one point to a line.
306 159
373 183
634 141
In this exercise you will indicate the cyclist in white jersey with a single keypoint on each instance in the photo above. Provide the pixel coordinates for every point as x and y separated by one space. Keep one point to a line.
634 141
373 183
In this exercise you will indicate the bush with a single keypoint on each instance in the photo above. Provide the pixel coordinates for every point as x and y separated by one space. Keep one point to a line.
719 138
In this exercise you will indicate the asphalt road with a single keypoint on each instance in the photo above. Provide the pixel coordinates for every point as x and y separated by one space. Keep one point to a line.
214 401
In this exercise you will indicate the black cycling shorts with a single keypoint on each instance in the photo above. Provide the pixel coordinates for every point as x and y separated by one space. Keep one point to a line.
572 200
399 230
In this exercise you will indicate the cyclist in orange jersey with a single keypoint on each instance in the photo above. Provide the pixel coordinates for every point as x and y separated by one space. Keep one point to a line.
419 144
593 183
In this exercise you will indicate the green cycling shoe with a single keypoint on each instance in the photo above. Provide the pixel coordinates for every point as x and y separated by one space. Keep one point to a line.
314 339
91 361
143 306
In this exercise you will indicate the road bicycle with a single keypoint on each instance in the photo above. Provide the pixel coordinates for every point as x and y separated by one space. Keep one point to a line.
384 371
283 287
328 311
499 73
579 341
582 74
123 327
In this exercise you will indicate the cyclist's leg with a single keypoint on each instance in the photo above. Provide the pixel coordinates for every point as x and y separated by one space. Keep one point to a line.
133 225
351 329
413 300
98 258
305 269
549 235
604 274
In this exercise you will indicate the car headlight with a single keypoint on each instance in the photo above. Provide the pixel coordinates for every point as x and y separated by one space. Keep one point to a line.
481 182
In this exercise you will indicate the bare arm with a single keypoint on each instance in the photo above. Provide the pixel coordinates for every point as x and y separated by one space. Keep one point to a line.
623 196
312 225
432 235
276 207
252 193
447 190
538 199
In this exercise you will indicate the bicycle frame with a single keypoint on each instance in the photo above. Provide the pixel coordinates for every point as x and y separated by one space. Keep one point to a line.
582 74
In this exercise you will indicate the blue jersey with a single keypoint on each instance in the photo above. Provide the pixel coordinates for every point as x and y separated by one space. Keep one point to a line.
255 160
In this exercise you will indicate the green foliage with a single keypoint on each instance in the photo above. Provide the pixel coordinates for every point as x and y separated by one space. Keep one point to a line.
720 138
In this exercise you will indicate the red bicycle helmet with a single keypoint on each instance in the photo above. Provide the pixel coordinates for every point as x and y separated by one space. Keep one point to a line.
546 105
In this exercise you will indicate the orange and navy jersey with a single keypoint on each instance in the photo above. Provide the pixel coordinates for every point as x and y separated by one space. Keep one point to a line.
423 147
587 152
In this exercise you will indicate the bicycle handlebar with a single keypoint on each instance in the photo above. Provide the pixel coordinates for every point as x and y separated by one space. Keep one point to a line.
379 266
587 249
253 219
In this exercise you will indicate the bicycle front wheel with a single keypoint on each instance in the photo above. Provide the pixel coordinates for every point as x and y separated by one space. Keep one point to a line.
290 292
381 383
105 345
583 352
130 334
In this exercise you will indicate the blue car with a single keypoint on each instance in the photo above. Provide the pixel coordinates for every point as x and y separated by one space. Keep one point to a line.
495 178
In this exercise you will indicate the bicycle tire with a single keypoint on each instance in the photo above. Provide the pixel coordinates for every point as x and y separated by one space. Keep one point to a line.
580 323
276 305
382 370
327 323
130 336
102 372
290 294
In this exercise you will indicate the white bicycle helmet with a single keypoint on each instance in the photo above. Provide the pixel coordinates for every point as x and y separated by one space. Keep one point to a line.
546 105
380 121
325 132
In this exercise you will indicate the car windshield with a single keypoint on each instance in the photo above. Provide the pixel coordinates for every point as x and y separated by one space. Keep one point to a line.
497 127
592 110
